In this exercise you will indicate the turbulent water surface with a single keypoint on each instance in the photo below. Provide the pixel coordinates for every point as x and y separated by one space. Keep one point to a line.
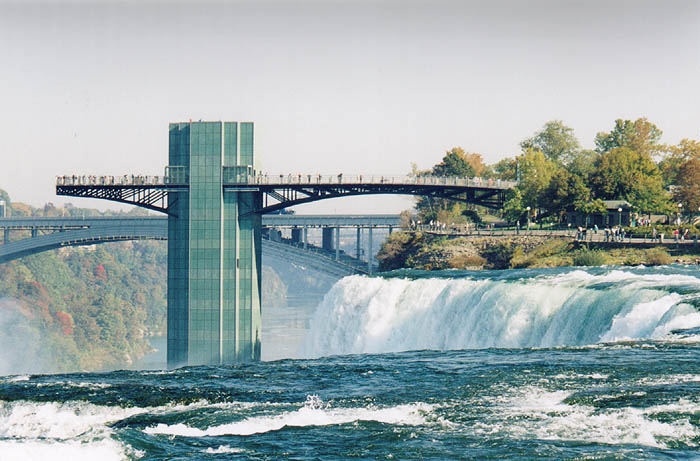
560 364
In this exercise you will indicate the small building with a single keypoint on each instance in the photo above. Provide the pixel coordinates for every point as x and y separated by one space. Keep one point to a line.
619 212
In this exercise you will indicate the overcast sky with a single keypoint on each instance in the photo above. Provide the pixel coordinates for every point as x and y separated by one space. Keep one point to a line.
335 86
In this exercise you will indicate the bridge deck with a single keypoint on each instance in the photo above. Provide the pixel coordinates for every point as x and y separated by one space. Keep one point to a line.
284 191
74 231
279 181
269 220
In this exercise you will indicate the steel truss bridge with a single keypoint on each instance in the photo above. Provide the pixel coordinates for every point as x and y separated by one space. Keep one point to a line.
284 191
44 234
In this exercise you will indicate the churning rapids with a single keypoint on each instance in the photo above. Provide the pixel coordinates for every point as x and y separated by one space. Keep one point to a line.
530 364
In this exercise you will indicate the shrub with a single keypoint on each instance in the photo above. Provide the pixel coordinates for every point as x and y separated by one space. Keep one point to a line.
633 259
464 261
657 257
585 257
500 255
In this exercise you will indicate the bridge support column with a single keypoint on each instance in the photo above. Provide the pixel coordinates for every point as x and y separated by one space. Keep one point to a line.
296 234
337 243
35 232
214 248
6 236
327 238
358 242
369 250
306 237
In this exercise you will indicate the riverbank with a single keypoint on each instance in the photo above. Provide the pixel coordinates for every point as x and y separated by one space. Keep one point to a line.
419 250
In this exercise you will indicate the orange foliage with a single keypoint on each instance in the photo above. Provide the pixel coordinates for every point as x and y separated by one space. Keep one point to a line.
66 322
101 273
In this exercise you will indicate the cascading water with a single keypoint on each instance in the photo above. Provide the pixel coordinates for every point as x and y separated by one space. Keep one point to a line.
517 309
625 383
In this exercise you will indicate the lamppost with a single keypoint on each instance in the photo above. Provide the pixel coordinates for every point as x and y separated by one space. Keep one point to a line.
678 221
619 217
528 218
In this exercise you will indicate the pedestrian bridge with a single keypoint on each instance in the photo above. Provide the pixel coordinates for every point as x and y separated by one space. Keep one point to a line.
44 234
283 191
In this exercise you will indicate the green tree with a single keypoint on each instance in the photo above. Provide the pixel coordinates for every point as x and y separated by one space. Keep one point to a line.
640 135
623 173
513 209
583 163
535 172
454 163
505 169
687 191
555 140
565 190
675 157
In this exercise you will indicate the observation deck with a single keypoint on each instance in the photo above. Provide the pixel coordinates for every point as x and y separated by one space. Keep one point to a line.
282 191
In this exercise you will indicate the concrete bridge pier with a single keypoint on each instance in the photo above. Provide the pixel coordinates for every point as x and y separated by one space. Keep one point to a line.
6 236
369 250
327 238
358 242
296 235
337 243
306 237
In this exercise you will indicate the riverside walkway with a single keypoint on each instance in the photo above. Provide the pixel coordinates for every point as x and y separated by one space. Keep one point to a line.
596 238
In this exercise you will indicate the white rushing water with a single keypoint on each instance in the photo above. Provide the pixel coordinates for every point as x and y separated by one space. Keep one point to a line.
571 308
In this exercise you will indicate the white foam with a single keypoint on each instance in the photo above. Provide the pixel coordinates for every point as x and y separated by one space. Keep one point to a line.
60 421
224 449
74 430
540 414
313 413
74 450
576 308
71 430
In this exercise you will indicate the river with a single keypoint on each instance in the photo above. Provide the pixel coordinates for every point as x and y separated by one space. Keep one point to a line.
566 363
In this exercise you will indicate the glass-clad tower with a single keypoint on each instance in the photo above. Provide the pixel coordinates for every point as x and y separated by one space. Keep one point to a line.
214 258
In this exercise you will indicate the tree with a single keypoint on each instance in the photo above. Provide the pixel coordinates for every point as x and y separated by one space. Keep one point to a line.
676 156
618 171
513 208
454 163
555 140
476 161
583 163
505 169
565 190
591 207
649 196
641 136
687 191
623 173
535 172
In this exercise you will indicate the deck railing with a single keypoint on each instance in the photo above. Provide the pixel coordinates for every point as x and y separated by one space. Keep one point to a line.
234 176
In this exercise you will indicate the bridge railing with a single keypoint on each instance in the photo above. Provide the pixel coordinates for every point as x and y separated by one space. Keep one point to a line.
234 176
316 179
125 180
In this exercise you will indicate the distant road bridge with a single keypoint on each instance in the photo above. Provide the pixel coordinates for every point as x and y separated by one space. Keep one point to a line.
52 233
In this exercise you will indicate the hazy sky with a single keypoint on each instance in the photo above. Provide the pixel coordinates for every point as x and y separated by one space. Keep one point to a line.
335 86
